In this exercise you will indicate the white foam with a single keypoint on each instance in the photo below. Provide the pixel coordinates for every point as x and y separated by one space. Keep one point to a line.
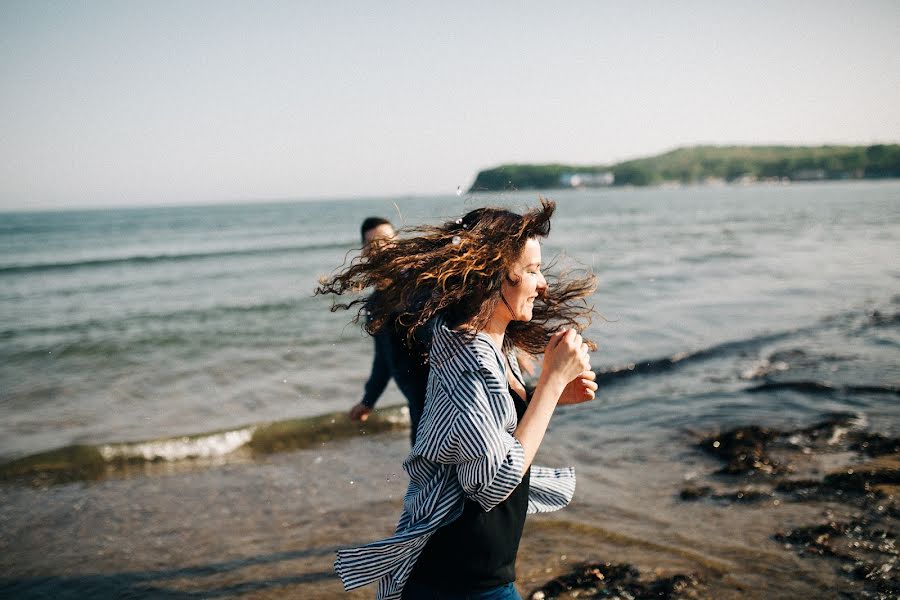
217 444
401 416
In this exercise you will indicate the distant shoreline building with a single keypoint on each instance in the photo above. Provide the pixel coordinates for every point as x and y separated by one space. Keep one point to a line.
587 180
809 175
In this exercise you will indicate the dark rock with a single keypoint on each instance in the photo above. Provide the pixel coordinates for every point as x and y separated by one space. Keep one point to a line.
743 495
606 580
830 421
875 444
880 319
861 480
797 485
865 545
743 450
816 538
693 492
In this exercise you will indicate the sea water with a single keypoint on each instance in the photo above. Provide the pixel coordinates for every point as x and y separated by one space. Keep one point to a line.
716 306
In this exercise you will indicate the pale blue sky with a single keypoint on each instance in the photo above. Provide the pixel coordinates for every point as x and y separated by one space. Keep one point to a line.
129 103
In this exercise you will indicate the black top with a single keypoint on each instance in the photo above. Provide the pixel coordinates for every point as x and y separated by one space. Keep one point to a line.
478 550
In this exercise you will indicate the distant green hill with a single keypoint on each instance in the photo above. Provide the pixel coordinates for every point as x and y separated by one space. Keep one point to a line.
698 164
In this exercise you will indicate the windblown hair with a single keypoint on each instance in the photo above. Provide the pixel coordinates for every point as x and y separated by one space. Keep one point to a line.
457 269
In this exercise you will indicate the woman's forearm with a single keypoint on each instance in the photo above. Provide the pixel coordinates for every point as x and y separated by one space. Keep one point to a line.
534 422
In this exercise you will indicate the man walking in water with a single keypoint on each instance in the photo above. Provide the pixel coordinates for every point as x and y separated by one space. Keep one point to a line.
393 358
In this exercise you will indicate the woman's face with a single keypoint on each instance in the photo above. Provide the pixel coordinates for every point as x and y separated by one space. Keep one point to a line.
527 271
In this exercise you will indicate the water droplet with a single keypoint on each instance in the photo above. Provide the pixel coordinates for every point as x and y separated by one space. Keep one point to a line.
457 240
715 444
459 190
284 381
459 221
351 482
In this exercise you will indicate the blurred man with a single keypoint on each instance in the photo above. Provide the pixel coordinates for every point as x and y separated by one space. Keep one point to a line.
392 356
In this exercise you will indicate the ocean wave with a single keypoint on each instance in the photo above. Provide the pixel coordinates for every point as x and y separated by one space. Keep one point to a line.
852 321
37 267
129 322
202 446
821 387
715 255
89 462
664 364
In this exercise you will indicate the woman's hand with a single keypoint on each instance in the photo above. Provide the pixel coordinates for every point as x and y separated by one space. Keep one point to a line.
581 389
566 357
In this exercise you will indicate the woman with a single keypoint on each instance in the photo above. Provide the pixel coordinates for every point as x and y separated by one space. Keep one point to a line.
473 290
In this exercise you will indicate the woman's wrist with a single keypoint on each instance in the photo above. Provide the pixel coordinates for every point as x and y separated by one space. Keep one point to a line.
552 384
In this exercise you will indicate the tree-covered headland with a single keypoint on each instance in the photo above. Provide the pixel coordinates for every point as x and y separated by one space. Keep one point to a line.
703 164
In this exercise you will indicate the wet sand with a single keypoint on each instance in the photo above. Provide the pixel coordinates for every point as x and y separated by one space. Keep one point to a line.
268 527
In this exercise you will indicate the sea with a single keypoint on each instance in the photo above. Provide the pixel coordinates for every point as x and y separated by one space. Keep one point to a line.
165 337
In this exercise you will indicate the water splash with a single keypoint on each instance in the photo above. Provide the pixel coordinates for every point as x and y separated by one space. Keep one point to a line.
218 444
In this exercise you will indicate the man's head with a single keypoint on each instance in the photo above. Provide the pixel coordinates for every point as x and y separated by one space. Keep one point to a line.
375 231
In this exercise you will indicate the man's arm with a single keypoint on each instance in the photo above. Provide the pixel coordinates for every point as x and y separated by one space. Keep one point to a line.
379 377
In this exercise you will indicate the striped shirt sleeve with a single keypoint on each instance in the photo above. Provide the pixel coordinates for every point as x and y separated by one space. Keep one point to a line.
489 460
550 489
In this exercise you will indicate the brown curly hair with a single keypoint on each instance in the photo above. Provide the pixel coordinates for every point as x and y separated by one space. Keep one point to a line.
457 269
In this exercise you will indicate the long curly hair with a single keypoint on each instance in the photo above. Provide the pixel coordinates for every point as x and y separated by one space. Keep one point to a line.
457 270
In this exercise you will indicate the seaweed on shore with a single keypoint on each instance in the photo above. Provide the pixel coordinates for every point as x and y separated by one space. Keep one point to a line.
753 450
607 580
744 450
742 495
864 539
763 454
866 547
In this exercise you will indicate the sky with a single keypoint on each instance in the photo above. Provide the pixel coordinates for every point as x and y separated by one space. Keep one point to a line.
130 103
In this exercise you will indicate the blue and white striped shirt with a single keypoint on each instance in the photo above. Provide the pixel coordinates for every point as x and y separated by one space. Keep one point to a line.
464 449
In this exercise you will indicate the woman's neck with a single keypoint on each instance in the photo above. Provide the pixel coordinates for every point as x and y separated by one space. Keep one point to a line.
496 330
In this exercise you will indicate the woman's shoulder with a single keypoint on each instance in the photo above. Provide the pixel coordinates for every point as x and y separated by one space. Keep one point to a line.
463 350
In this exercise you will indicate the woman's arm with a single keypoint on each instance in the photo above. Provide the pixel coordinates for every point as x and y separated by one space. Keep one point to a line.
565 358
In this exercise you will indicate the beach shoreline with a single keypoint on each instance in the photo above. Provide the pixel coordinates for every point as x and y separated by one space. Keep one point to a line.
260 530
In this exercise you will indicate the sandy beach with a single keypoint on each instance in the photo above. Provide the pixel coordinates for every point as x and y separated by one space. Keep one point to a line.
268 528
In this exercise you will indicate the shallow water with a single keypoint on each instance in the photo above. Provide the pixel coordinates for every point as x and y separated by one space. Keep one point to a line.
268 528
724 306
